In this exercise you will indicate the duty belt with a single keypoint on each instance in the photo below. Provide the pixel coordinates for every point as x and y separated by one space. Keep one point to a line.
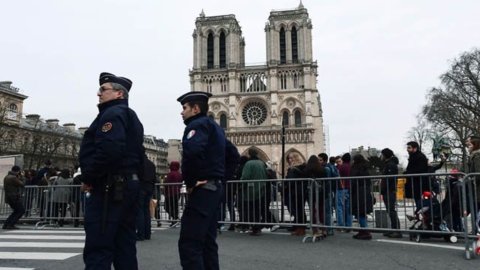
211 185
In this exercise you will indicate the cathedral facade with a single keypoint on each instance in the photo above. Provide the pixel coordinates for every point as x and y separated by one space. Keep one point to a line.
253 102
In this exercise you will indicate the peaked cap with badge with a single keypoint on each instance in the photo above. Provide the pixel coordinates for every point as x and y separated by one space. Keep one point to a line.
194 96
106 77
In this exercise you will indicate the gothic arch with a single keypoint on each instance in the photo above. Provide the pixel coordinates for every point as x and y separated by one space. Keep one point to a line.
293 24
282 24
216 108
285 112
284 104
220 30
298 117
261 155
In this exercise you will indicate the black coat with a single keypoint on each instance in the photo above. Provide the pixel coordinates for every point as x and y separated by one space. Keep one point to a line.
391 168
361 195
414 187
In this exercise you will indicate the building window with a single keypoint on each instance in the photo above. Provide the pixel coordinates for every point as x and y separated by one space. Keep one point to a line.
223 121
298 119
210 47
283 81
285 118
254 113
223 83
295 81
223 53
294 45
12 111
283 47
12 108
211 116
209 85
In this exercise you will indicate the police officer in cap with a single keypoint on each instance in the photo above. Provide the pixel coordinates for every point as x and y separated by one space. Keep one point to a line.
111 158
203 168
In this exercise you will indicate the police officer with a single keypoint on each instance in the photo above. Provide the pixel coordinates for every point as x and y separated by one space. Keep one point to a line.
203 168
111 157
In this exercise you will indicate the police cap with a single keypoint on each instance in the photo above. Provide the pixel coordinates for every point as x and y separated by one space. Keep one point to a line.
194 96
106 77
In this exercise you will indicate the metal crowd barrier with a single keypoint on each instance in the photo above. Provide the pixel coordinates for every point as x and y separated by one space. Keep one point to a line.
450 209
53 205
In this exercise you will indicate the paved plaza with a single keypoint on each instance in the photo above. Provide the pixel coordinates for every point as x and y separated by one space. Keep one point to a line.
59 249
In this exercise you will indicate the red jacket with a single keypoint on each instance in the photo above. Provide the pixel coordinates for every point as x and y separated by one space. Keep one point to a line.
173 180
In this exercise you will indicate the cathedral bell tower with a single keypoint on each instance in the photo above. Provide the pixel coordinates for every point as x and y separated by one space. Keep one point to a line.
253 102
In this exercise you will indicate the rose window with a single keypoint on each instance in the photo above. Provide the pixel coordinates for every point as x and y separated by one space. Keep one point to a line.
254 113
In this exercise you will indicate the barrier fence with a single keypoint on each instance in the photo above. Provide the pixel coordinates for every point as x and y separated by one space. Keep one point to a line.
438 206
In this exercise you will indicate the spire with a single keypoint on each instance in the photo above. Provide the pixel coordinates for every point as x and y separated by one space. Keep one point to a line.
301 5
202 14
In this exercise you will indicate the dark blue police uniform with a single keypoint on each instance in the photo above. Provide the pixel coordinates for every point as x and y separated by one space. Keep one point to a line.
203 158
111 156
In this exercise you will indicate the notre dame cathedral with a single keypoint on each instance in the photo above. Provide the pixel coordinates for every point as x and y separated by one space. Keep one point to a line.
253 102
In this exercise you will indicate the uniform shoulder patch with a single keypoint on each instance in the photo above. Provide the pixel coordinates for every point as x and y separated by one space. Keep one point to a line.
191 134
107 127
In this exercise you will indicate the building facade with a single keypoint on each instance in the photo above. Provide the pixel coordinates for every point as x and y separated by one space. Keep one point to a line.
39 140
253 102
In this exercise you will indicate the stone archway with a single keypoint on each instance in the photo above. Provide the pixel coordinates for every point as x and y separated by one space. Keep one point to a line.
261 155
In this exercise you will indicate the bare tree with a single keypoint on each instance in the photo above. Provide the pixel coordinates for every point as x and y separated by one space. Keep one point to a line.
455 106
420 133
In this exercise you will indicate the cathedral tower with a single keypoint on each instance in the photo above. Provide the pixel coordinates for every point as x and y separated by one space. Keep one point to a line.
253 102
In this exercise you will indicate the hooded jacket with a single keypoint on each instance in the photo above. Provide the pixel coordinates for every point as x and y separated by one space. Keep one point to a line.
174 179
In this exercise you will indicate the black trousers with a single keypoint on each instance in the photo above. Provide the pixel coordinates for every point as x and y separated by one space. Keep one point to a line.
197 244
18 211
390 199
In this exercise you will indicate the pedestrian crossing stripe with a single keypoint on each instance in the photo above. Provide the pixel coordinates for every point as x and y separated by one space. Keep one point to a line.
43 237
41 245
15 268
46 232
37 255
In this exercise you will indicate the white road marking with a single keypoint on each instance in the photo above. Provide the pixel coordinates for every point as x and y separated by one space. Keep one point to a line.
42 237
420 244
36 255
45 232
15 268
42 245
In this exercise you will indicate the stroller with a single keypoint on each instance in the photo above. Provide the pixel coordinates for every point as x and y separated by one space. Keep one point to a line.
428 218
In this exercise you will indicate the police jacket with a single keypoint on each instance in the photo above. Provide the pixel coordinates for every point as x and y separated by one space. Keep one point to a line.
113 144
203 155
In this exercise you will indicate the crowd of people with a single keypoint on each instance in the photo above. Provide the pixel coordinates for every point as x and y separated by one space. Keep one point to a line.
344 193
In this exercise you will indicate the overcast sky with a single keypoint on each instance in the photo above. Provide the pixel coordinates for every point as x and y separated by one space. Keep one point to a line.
376 58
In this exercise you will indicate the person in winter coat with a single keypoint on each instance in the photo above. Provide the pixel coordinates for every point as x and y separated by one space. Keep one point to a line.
316 170
13 187
254 192
298 192
232 157
417 163
473 144
362 200
172 191
62 195
388 189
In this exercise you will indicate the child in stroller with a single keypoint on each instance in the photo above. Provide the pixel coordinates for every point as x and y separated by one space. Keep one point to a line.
429 218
